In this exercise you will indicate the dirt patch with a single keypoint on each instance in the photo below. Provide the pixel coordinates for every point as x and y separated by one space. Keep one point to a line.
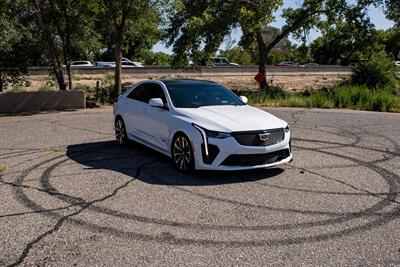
287 82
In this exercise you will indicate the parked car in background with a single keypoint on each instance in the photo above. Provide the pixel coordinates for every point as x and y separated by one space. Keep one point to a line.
201 125
310 65
104 64
288 64
397 63
126 63
222 61
81 63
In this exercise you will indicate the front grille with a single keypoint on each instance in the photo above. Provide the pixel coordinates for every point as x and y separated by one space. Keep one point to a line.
256 159
260 138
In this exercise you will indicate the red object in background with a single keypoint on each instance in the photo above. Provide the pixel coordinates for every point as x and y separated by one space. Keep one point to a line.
260 78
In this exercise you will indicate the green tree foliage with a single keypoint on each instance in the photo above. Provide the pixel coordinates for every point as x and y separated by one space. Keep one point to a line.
348 40
238 55
390 7
377 72
197 28
130 20
19 46
155 58
72 22
392 42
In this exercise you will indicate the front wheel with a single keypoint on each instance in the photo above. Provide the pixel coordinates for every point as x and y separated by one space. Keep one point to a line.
120 132
182 154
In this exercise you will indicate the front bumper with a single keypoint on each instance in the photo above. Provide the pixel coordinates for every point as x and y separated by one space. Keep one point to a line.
229 147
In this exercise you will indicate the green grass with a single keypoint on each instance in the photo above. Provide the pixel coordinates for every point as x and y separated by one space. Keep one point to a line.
17 89
46 88
341 96
3 168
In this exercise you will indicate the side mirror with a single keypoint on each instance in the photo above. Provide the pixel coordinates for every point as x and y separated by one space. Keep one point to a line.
244 99
156 102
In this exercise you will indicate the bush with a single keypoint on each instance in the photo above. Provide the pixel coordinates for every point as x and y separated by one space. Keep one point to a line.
319 99
294 101
377 72
342 96
384 101
17 89
45 88
84 88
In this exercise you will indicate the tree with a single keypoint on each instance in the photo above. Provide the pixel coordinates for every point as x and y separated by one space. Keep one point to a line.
238 55
127 16
156 58
73 24
348 40
20 47
48 36
391 8
392 42
197 28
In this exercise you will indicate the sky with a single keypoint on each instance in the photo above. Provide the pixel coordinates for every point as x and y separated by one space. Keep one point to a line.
376 14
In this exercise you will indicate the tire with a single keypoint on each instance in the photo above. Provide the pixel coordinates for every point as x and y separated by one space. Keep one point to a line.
182 153
120 132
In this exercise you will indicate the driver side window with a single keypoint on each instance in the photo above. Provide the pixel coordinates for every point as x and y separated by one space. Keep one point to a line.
145 92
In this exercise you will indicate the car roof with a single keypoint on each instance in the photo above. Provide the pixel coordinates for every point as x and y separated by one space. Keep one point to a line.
185 81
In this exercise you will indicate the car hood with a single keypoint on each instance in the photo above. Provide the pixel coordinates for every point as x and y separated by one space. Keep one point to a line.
232 118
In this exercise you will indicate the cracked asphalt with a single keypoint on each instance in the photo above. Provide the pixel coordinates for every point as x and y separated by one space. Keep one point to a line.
71 197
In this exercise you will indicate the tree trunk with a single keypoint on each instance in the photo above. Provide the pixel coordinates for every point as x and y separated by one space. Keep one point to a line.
1 81
67 42
119 40
118 58
262 57
50 43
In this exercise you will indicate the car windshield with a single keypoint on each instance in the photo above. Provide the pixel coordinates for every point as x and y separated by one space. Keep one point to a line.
186 95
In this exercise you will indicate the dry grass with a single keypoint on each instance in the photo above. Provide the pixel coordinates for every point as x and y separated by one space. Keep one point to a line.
289 83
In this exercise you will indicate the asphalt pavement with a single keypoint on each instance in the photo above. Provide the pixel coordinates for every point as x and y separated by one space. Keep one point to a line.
70 196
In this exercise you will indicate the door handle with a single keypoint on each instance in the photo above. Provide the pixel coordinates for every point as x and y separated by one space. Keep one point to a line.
143 109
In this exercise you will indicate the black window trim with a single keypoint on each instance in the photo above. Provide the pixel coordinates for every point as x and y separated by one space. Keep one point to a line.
166 104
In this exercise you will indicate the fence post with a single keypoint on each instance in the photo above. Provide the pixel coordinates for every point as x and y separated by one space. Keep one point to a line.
97 90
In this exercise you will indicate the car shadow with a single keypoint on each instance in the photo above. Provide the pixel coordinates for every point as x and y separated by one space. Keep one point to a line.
151 167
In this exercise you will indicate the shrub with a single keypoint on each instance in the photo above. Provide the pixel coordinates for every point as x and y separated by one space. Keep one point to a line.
84 88
17 89
378 71
319 99
384 101
294 101
45 88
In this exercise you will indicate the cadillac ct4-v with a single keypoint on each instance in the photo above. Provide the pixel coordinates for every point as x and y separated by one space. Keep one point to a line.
201 125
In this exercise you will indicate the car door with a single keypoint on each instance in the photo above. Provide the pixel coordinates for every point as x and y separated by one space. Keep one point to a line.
157 119
135 106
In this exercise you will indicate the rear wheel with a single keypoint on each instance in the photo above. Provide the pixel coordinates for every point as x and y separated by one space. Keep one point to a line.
120 132
182 153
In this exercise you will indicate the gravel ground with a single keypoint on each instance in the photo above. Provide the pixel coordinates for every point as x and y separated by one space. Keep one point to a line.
71 196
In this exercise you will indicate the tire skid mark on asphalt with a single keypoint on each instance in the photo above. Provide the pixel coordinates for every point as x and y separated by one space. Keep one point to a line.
60 222
18 154
83 206
359 214
36 211
390 177
56 123
364 192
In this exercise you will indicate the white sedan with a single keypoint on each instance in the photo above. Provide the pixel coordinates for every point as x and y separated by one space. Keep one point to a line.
201 125
81 63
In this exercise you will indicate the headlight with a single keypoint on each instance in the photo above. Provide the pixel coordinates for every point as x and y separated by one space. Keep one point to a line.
212 134
287 129
217 135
